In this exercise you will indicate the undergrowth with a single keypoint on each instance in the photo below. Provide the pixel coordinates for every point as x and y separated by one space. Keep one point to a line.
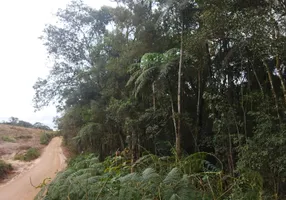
153 178
5 168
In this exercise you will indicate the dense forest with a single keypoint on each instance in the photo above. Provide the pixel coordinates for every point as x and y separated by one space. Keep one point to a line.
193 90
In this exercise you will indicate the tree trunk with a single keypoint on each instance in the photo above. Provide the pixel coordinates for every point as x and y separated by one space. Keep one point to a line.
230 157
101 153
133 149
199 109
281 78
244 109
277 36
209 60
154 97
178 136
173 114
172 107
121 141
272 89
230 81
257 79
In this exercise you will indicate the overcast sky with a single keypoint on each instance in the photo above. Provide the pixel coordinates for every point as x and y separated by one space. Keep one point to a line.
23 57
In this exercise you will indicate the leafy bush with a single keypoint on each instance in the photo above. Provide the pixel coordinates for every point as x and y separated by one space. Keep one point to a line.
45 138
4 169
31 154
8 139
153 178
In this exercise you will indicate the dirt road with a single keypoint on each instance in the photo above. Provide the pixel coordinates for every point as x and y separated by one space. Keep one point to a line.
51 161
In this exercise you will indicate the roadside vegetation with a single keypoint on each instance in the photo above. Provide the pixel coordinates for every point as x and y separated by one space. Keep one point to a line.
152 177
5 168
174 78
29 155
46 137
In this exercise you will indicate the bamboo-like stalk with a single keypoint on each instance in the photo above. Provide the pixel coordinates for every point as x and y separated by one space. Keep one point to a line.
178 136
154 97
272 88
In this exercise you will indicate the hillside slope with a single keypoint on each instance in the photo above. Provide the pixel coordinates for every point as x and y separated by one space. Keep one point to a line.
14 140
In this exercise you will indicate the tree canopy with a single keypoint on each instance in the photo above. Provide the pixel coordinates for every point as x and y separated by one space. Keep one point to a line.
197 75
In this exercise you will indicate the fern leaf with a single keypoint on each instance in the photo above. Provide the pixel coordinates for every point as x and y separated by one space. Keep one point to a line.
173 176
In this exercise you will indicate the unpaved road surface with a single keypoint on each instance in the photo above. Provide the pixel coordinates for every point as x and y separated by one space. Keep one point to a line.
51 161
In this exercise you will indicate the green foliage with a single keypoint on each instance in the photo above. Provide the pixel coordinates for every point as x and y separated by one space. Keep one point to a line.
248 186
264 151
4 169
31 154
46 137
41 126
119 89
87 178
89 136
8 139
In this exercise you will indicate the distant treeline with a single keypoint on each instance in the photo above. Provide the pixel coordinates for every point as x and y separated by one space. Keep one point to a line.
17 122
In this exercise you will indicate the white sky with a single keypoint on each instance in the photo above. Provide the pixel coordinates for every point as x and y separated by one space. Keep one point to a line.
23 57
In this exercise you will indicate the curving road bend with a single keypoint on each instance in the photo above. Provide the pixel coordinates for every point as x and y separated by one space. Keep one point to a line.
51 161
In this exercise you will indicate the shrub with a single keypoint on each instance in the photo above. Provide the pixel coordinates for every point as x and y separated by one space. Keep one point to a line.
5 168
45 138
8 139
31 154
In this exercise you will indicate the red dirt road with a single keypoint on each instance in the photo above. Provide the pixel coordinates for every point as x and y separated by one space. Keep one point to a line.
51 161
